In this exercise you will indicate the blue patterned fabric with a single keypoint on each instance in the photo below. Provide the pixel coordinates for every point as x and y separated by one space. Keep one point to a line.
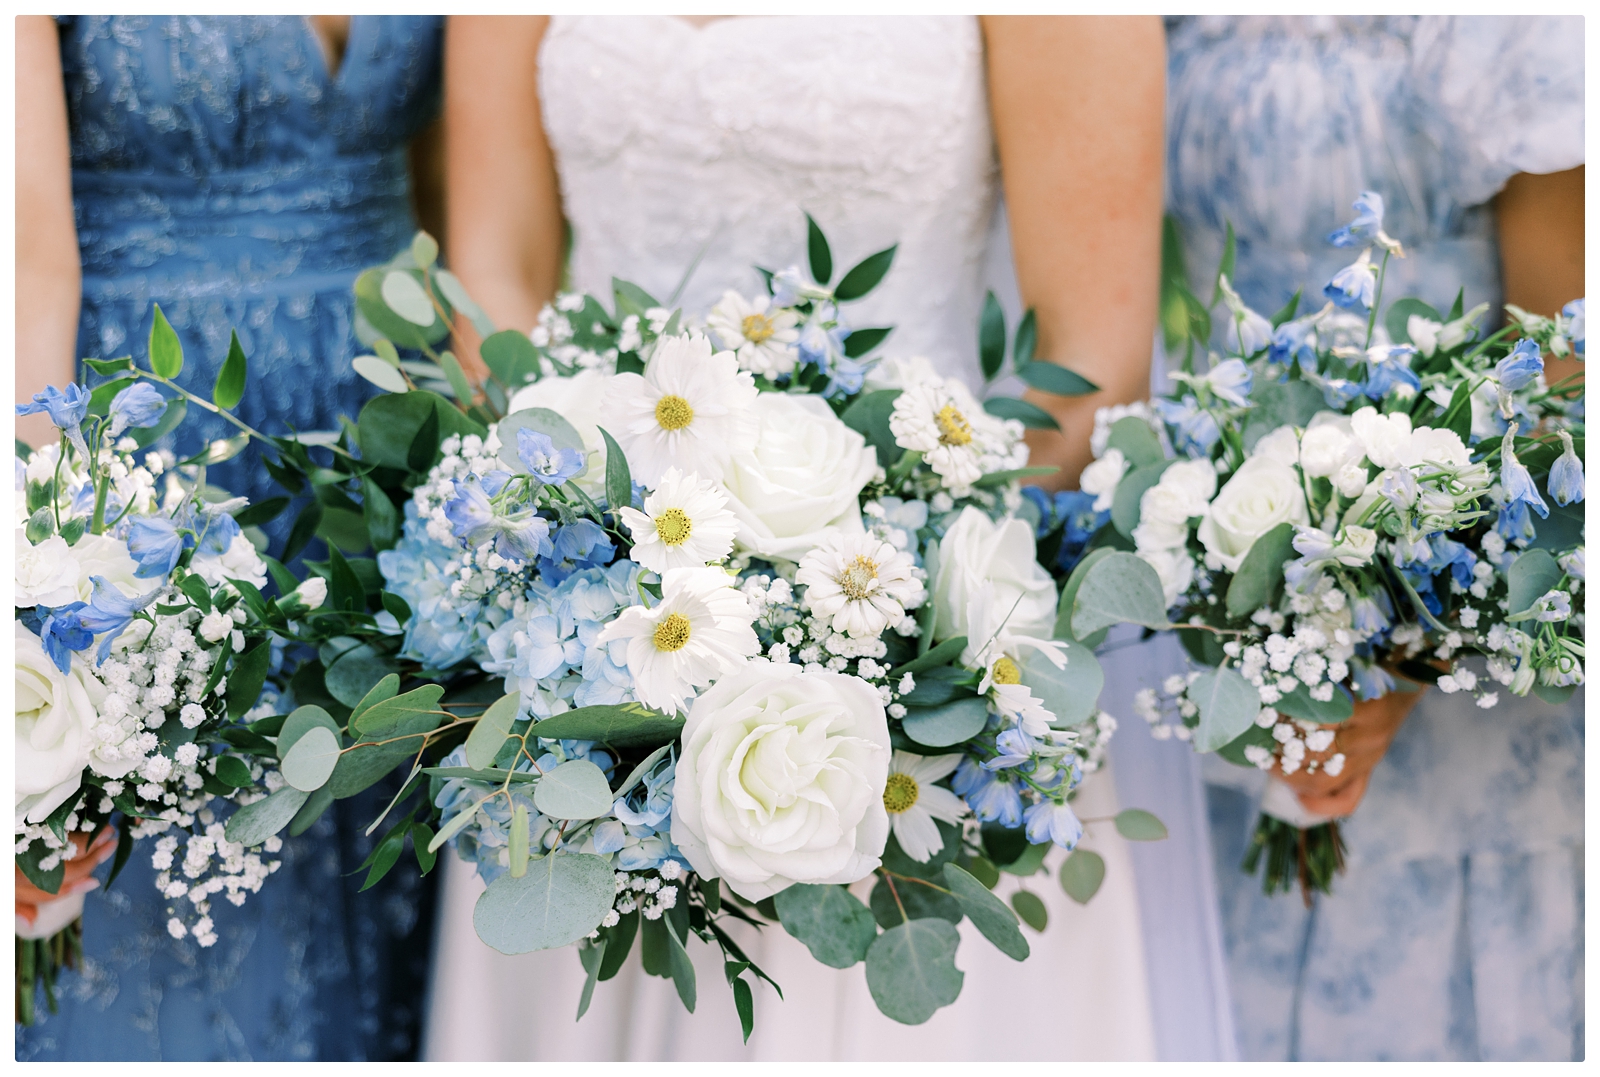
1456 932
219 172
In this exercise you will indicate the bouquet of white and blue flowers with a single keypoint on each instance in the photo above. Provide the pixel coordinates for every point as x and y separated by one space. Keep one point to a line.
142 649
700 623
1336 506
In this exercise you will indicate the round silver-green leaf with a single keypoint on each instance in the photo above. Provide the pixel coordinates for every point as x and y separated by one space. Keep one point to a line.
577 789
562 898
255 823
911 970
403 295
310 760
834 926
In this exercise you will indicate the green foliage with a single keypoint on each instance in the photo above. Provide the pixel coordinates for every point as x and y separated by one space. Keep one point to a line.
1299 704
682 970
1070 693
911 970
351 676
834 926
996 479
1031 860
1081 875
590 955
1125 503
390 426
544 421
384 717
1030 909
562 898
917 899
1400 312
491 730
991 337
1138 443
1118 588
945 724
1026 343
868 415
1034 418
817 251
310 811
248 675
577 789
861 341
176 410
988 913
619 478
1052 378
1259 579
1137 825
511 357
166 351
233 771
626 725
310 761
1228 706
1530 576
864 275
255 823
229 387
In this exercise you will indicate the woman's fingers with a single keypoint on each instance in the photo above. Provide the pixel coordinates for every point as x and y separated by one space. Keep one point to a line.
1339 802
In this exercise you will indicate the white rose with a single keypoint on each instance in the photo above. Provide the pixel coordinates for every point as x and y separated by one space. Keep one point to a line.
1435 445
576 399
1194 480
55 713
1262 494
1175 568
1102 477
1329 446
802 478
1383 437
781 780
102 555
1167 507
898 373
1282 444
988 578
47 574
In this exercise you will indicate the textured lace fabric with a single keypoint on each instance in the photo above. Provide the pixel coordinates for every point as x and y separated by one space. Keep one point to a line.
675 143
219 172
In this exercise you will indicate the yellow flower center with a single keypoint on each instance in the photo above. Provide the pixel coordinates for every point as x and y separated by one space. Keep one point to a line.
953 426
899 793
758 328
674 412
1005 671
672 633
856 581
674 526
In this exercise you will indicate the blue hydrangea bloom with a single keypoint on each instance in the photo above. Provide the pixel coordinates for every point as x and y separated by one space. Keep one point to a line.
139 405
991 796
546 463
579 545
444 628
1367 224
155 544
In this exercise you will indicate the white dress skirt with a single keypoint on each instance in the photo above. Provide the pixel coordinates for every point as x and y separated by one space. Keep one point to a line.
686 158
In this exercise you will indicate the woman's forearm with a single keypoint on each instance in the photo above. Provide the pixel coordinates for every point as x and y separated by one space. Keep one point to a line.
1540 221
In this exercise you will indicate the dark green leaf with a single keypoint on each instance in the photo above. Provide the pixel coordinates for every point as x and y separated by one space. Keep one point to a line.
457 378
100 399
590 954
997 479
382 518
1287 311
947 723
1299 704
911 970
305 527
1458 308
262 512
627 725
511 357
1530 576
1025 347
682 970
1125 503
919 901
1029 862
198 591
620 942
310 811
834 926
109 366
390 423
817 250
398 608
865 275
987 913
1137 825
344 589
166 351
653 948
124 850
249 673
942 655
233 771
1050 378
991 338
861 341
351 676
1035 418
1031 909
386 855
1260 576
868 415
1081 875
619 478
745 1005
229 388
424 448
1400 312
1225 269
631 299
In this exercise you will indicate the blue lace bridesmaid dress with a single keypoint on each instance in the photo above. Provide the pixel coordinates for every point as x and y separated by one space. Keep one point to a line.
1457 931
219 171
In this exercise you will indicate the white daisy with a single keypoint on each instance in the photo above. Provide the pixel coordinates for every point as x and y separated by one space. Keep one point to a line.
1002 683
914 802
944 422
699 631
861 582
762 337
690 409
685 523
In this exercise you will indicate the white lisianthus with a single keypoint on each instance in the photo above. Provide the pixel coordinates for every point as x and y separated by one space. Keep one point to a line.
781 780
914 802
578 400
685 523
700 630
312 592
690 409
1175 568
800 479
1262 494
958 439
987 571
763 338
46 574
896 372
1435 445
55 715
860 583
1383 437
1330 450
239 562
1356 546
1166 508
1282 444
1102 477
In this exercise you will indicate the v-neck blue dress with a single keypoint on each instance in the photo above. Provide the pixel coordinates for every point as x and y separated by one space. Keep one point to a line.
219 171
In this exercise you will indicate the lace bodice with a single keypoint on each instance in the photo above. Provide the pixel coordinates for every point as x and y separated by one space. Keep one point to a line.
672 139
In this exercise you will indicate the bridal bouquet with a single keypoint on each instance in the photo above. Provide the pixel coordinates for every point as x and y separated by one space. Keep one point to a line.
701 624
141 649
1333 508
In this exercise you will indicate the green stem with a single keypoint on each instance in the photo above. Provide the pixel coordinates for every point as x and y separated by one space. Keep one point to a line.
1377 298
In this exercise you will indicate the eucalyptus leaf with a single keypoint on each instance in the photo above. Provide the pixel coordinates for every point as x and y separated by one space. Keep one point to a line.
948 723
424 249
540 420
310 761
1071 693
1299 704
562 898
1138 825
987 913
577 789
1030 909
1530 576
255 823
1260 576
380 373
407 298
300 722
1137 442
511 357
911 970
1126 502
493 726
1081 875
1119 588
353 674
624 725
457 378
1228 706
832 923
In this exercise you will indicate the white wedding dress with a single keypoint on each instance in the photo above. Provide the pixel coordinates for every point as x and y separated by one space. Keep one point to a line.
682 146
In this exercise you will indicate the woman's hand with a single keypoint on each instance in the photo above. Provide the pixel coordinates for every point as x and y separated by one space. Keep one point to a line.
1363 739
76 877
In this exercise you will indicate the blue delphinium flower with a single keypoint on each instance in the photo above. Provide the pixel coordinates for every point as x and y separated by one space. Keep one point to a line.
1574 314
472 517
61 631
1371 614
546 463
1044 507
1368 223
83 502
1353 286
111 612
66 408
1016 750
1049 821
1369 679
581 544
1452 555
1197 429
821 346
991 796
216 531
1566 474
1521 368
138 405
1514 478
1230 380
1080 522
1515 523
156 544
1294 342
1389 365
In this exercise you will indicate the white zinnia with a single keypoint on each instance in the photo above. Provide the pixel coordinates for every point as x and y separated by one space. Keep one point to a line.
690 409
781 780
700 630
685 523
958 439
914 802
859 582
762 338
